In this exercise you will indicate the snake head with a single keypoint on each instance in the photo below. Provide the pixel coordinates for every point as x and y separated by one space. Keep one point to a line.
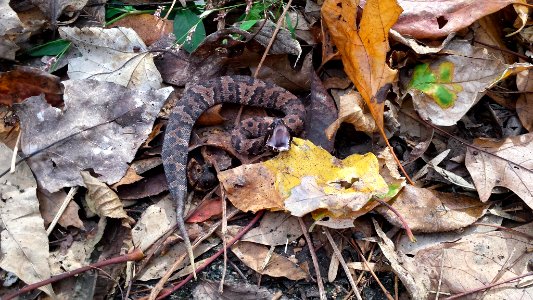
279 137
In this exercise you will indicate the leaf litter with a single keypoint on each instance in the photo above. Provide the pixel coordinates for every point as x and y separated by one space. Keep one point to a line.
450 91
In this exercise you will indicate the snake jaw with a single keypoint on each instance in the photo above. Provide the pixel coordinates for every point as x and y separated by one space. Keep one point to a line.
279 137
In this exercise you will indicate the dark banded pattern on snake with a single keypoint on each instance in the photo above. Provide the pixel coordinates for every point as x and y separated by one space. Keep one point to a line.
197 98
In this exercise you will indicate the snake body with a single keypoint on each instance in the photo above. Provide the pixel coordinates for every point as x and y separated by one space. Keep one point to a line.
197 98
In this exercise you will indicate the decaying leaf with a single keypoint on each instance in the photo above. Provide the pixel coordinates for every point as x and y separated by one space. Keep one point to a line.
157 219
79 253
306 179
524 105
276 228
208 289
351 111
150 28
101 199
508 163
10 25
475 261
159 265
24 82
50 204
24 248
116 55
426 19
364 46
444 90
432 211
100 128
261 260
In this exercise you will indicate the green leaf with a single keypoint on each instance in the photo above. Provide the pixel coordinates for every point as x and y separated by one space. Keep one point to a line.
52 48
437 84
113 11
246 25
185 23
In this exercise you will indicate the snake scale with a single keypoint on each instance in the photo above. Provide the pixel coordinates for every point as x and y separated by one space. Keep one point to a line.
197 98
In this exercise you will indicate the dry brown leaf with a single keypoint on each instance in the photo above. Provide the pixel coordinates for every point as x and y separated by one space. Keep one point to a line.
510 166
524 105
207 289
101 199
432 211
24 249
24 82
351 111
157 219
276 228
364 46
11 25
430 19
477 260
255 256
150 28
278 69
79 253
49 204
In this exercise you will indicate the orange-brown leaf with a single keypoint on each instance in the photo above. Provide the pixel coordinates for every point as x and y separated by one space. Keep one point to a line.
364 46
24 82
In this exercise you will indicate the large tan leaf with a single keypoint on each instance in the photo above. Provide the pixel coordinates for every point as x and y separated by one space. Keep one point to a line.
24 249
433 211
510 166
477 260
364 46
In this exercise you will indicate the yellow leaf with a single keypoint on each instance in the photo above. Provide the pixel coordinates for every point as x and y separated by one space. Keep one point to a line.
308 179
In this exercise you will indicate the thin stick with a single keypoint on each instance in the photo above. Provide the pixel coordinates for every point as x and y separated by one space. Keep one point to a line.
320 284
343 264
136 255
15 150
365 262
278 26
402 220
167 292
61 210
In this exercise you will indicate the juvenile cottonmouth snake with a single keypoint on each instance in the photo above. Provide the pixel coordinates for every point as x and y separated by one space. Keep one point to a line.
199 97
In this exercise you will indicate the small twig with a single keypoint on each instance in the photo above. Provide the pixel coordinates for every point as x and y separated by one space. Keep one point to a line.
136 255
367 266
278 26
239 235
481 288
320 284
15 151
440 274
224 229
402 220
343 264
61 209
527 236
170 9
505 50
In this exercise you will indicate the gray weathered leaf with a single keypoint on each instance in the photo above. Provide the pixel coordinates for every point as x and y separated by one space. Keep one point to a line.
100 128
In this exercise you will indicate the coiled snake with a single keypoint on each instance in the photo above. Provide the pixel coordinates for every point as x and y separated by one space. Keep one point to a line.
199 97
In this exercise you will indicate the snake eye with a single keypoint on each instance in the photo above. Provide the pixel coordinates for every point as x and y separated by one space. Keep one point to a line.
279 137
